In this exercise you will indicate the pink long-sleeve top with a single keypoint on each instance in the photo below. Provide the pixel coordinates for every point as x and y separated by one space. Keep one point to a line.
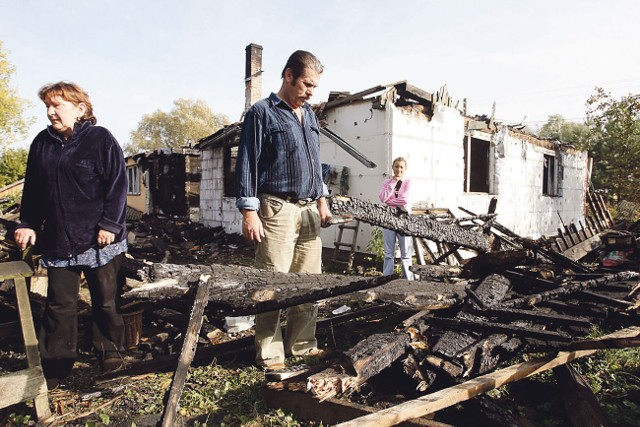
390 198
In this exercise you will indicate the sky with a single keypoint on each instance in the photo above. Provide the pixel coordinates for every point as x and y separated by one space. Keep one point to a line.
532 58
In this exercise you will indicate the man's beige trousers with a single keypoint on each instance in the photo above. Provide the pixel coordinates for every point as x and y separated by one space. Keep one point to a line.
291 244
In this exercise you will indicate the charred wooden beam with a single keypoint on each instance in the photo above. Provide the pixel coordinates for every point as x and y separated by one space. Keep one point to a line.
528 244
247 290
576 309
492 290
435 271
450 251
366 359
492 327
424 377
534 316
386 217
376 352
498 260
606 300
426 296
518 278
532 300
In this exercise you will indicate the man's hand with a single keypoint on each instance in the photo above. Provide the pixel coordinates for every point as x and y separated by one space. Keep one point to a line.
252 226
325 213
105 238
24 237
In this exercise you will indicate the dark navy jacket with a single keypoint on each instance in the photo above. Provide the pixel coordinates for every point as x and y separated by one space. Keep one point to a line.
73 188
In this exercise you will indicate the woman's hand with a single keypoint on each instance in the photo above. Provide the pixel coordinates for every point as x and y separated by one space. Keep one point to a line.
105 238
24 237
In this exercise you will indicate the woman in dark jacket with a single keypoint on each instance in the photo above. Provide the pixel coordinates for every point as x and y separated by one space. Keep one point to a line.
73 212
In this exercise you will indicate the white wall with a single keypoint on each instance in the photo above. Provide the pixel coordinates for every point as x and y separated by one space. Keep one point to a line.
215 209
521 205
435 156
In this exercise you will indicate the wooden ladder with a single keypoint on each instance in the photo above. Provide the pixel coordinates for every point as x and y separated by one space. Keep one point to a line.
338 244
29 383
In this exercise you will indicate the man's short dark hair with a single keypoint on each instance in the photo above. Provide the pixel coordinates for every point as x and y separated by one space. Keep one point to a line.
301 59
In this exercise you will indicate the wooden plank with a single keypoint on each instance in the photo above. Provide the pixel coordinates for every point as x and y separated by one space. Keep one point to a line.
187 353
12 269
564 238
419 252
586 229
631 340
560 245
17 387
580 231
445 398
570 236
605 211
329 411
41 402
583 248
597 210
580 403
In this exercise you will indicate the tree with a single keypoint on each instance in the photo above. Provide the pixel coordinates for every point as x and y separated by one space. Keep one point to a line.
13 125
187 123
13 165
576 134
614 143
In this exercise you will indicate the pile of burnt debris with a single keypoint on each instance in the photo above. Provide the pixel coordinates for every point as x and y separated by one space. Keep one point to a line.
465 317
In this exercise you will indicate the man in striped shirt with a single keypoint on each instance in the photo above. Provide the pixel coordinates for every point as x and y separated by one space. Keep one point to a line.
282 199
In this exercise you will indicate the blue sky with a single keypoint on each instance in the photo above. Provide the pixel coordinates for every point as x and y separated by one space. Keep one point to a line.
533 58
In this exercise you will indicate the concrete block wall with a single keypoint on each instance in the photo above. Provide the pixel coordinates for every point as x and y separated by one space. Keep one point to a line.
216 210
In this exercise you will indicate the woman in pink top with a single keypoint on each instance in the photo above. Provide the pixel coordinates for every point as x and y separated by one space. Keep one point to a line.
395 193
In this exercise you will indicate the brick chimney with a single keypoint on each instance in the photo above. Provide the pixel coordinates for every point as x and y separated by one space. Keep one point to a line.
253 75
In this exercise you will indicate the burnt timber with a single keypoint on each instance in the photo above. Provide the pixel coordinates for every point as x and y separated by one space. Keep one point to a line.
246 290
425 227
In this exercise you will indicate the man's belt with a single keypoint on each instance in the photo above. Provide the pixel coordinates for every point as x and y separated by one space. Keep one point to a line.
294 200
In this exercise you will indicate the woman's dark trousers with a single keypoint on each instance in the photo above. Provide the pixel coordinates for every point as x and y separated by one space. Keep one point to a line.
58 336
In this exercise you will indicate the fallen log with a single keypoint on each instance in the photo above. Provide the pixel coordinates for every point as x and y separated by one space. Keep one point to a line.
384 216
246 290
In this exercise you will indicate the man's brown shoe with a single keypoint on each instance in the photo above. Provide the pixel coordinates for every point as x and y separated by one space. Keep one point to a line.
274 367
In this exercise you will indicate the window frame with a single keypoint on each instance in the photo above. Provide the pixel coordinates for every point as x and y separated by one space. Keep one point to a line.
473 148
133 180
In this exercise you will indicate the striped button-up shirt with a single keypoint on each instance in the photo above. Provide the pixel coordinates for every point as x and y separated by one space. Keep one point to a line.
278 154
